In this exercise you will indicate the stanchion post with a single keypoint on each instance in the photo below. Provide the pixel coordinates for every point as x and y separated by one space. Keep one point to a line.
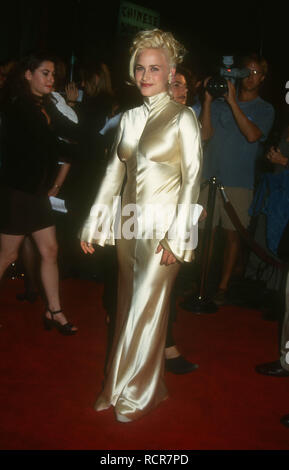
199 303
207 236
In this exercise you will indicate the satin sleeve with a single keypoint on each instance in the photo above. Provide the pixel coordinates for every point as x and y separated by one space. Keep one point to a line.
182 236
100 226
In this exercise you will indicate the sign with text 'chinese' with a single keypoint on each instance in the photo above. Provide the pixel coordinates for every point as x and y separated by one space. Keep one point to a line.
133 18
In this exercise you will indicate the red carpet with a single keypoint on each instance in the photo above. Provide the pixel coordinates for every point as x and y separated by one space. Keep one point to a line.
49 382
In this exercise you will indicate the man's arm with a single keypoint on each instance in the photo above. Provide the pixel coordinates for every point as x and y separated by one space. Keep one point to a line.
205 116
247 127
205 119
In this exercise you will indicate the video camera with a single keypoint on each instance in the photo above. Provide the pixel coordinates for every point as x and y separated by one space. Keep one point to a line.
217 86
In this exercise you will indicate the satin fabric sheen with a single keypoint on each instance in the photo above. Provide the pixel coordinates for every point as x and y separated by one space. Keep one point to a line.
158 150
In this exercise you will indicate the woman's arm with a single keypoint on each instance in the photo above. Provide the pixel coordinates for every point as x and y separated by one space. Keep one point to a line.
99 226
60 178
181 238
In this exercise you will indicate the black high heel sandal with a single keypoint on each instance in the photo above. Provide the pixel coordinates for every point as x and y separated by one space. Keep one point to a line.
50 323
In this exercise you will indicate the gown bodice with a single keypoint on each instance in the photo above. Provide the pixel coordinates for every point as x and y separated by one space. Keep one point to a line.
158 149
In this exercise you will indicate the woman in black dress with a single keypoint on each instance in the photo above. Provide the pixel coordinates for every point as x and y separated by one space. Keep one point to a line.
31 151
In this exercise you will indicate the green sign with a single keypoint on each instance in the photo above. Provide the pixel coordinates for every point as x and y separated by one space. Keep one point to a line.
133 18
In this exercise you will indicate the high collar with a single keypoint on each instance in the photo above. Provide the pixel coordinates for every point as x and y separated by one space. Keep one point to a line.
156 101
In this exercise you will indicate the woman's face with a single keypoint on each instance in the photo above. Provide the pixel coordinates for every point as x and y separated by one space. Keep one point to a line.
152 71
41 80
179 88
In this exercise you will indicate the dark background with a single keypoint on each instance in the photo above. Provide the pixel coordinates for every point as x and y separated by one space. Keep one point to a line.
208 30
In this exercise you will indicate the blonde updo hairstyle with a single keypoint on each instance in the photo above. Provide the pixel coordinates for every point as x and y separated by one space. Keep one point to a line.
156 39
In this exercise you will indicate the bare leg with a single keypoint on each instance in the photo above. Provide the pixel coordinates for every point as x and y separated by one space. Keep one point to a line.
46 242
242 260
171 352
29 257
9 248
232 248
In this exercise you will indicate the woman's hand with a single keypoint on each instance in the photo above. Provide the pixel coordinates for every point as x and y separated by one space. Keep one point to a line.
203 215
167 256
71 91
87 247
275 156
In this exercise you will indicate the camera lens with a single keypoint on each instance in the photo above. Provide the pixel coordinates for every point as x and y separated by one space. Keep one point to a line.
217 87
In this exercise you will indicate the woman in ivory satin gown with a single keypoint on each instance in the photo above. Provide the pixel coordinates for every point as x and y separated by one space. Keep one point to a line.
157 157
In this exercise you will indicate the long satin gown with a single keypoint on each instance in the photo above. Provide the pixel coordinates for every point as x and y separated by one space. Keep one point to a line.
157 155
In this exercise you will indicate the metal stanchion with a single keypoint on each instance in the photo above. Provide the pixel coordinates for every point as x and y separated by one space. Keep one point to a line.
200 303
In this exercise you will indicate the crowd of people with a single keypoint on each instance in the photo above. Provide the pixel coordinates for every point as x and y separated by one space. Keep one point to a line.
78 142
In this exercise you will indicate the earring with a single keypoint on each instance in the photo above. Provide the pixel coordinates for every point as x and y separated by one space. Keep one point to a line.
170 78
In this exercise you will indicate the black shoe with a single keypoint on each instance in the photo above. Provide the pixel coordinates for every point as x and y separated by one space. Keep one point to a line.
179 365
285 420
67 329
274 369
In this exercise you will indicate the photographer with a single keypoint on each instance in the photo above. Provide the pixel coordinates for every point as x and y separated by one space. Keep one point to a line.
233 128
